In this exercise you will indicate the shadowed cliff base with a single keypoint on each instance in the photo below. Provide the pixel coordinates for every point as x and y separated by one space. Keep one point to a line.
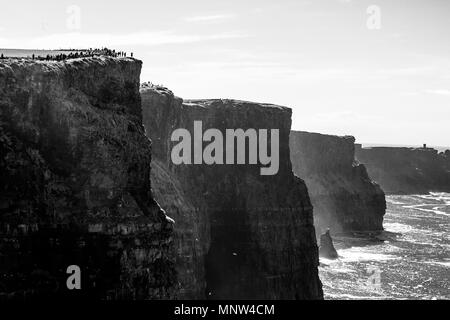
75 183
343 195
240 235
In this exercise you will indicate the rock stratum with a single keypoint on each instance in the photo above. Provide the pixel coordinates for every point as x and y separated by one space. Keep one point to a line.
239 235
343 195
75 183
407 170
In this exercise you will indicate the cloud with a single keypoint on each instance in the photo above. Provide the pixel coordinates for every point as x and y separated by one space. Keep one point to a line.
409 93
395 35
210 18
6 43
88 40
411 71
443 92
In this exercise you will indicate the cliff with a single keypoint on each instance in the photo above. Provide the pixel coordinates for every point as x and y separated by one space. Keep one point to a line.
343 195
75 183
407 170
326 248
240 234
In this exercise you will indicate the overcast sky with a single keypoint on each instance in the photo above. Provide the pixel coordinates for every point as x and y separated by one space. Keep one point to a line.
386 81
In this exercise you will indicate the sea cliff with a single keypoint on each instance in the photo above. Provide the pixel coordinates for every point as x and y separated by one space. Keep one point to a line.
239 234
343 195
407 170
75 183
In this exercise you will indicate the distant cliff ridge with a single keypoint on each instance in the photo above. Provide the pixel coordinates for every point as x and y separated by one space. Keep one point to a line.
239 234
407 170
343 195
75 183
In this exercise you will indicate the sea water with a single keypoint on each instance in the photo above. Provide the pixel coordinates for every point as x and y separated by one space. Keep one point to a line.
409 260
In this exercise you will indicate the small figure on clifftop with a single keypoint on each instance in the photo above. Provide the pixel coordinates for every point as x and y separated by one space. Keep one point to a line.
326 249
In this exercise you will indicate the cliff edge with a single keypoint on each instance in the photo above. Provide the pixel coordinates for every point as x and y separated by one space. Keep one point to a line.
75 183
343 195
240 234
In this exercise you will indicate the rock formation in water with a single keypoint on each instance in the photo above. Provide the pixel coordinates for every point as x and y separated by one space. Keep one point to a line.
407 170
343 195
240 235
75 183
326 248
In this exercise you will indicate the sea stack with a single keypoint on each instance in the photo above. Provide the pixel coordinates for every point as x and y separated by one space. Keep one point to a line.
326 248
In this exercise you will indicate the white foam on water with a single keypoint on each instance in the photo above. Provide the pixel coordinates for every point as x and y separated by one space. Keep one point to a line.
327 262
438 210
345 296
441 263
424 243
435 210
356 254
394 202
414 265
426 197
336 266
440 196
397 227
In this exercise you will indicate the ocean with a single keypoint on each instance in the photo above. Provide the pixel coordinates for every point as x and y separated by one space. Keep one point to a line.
409 260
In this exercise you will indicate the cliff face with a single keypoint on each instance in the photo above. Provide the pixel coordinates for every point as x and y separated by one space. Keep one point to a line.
407 170
75 183
343 195
240 234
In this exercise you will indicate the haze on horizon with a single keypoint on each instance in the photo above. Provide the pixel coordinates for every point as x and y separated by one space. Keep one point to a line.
388 85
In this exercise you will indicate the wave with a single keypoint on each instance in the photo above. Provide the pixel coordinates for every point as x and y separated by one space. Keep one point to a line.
392 201
412 264
441 263
356 254
434 209
397 227
436 196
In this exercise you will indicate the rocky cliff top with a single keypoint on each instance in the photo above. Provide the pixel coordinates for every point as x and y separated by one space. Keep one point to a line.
237 104
221 114
106 82
322 153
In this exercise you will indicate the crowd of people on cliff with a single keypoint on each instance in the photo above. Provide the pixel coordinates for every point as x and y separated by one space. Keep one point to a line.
74 54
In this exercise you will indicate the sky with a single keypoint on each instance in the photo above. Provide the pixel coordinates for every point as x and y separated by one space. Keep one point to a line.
378 70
